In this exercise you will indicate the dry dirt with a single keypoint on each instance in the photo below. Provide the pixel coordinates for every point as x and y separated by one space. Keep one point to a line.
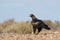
44 35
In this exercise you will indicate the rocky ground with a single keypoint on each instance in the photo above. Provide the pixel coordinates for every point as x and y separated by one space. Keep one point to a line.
44 35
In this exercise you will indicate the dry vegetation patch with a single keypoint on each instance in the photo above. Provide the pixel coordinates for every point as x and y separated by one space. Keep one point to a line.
11 30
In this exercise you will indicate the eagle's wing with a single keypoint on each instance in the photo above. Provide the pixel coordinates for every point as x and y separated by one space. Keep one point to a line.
44 25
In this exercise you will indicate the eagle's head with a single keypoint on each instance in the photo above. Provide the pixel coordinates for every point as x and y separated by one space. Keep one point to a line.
32 16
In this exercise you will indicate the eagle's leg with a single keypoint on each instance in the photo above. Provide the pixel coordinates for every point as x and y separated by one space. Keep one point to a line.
39 29
34 30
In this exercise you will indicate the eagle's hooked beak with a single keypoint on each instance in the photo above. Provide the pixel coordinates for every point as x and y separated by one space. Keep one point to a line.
32 16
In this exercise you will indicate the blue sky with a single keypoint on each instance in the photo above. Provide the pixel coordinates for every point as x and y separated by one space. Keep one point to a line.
20 9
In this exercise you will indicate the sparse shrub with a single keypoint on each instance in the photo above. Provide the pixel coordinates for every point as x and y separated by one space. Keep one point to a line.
10 26
20 27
